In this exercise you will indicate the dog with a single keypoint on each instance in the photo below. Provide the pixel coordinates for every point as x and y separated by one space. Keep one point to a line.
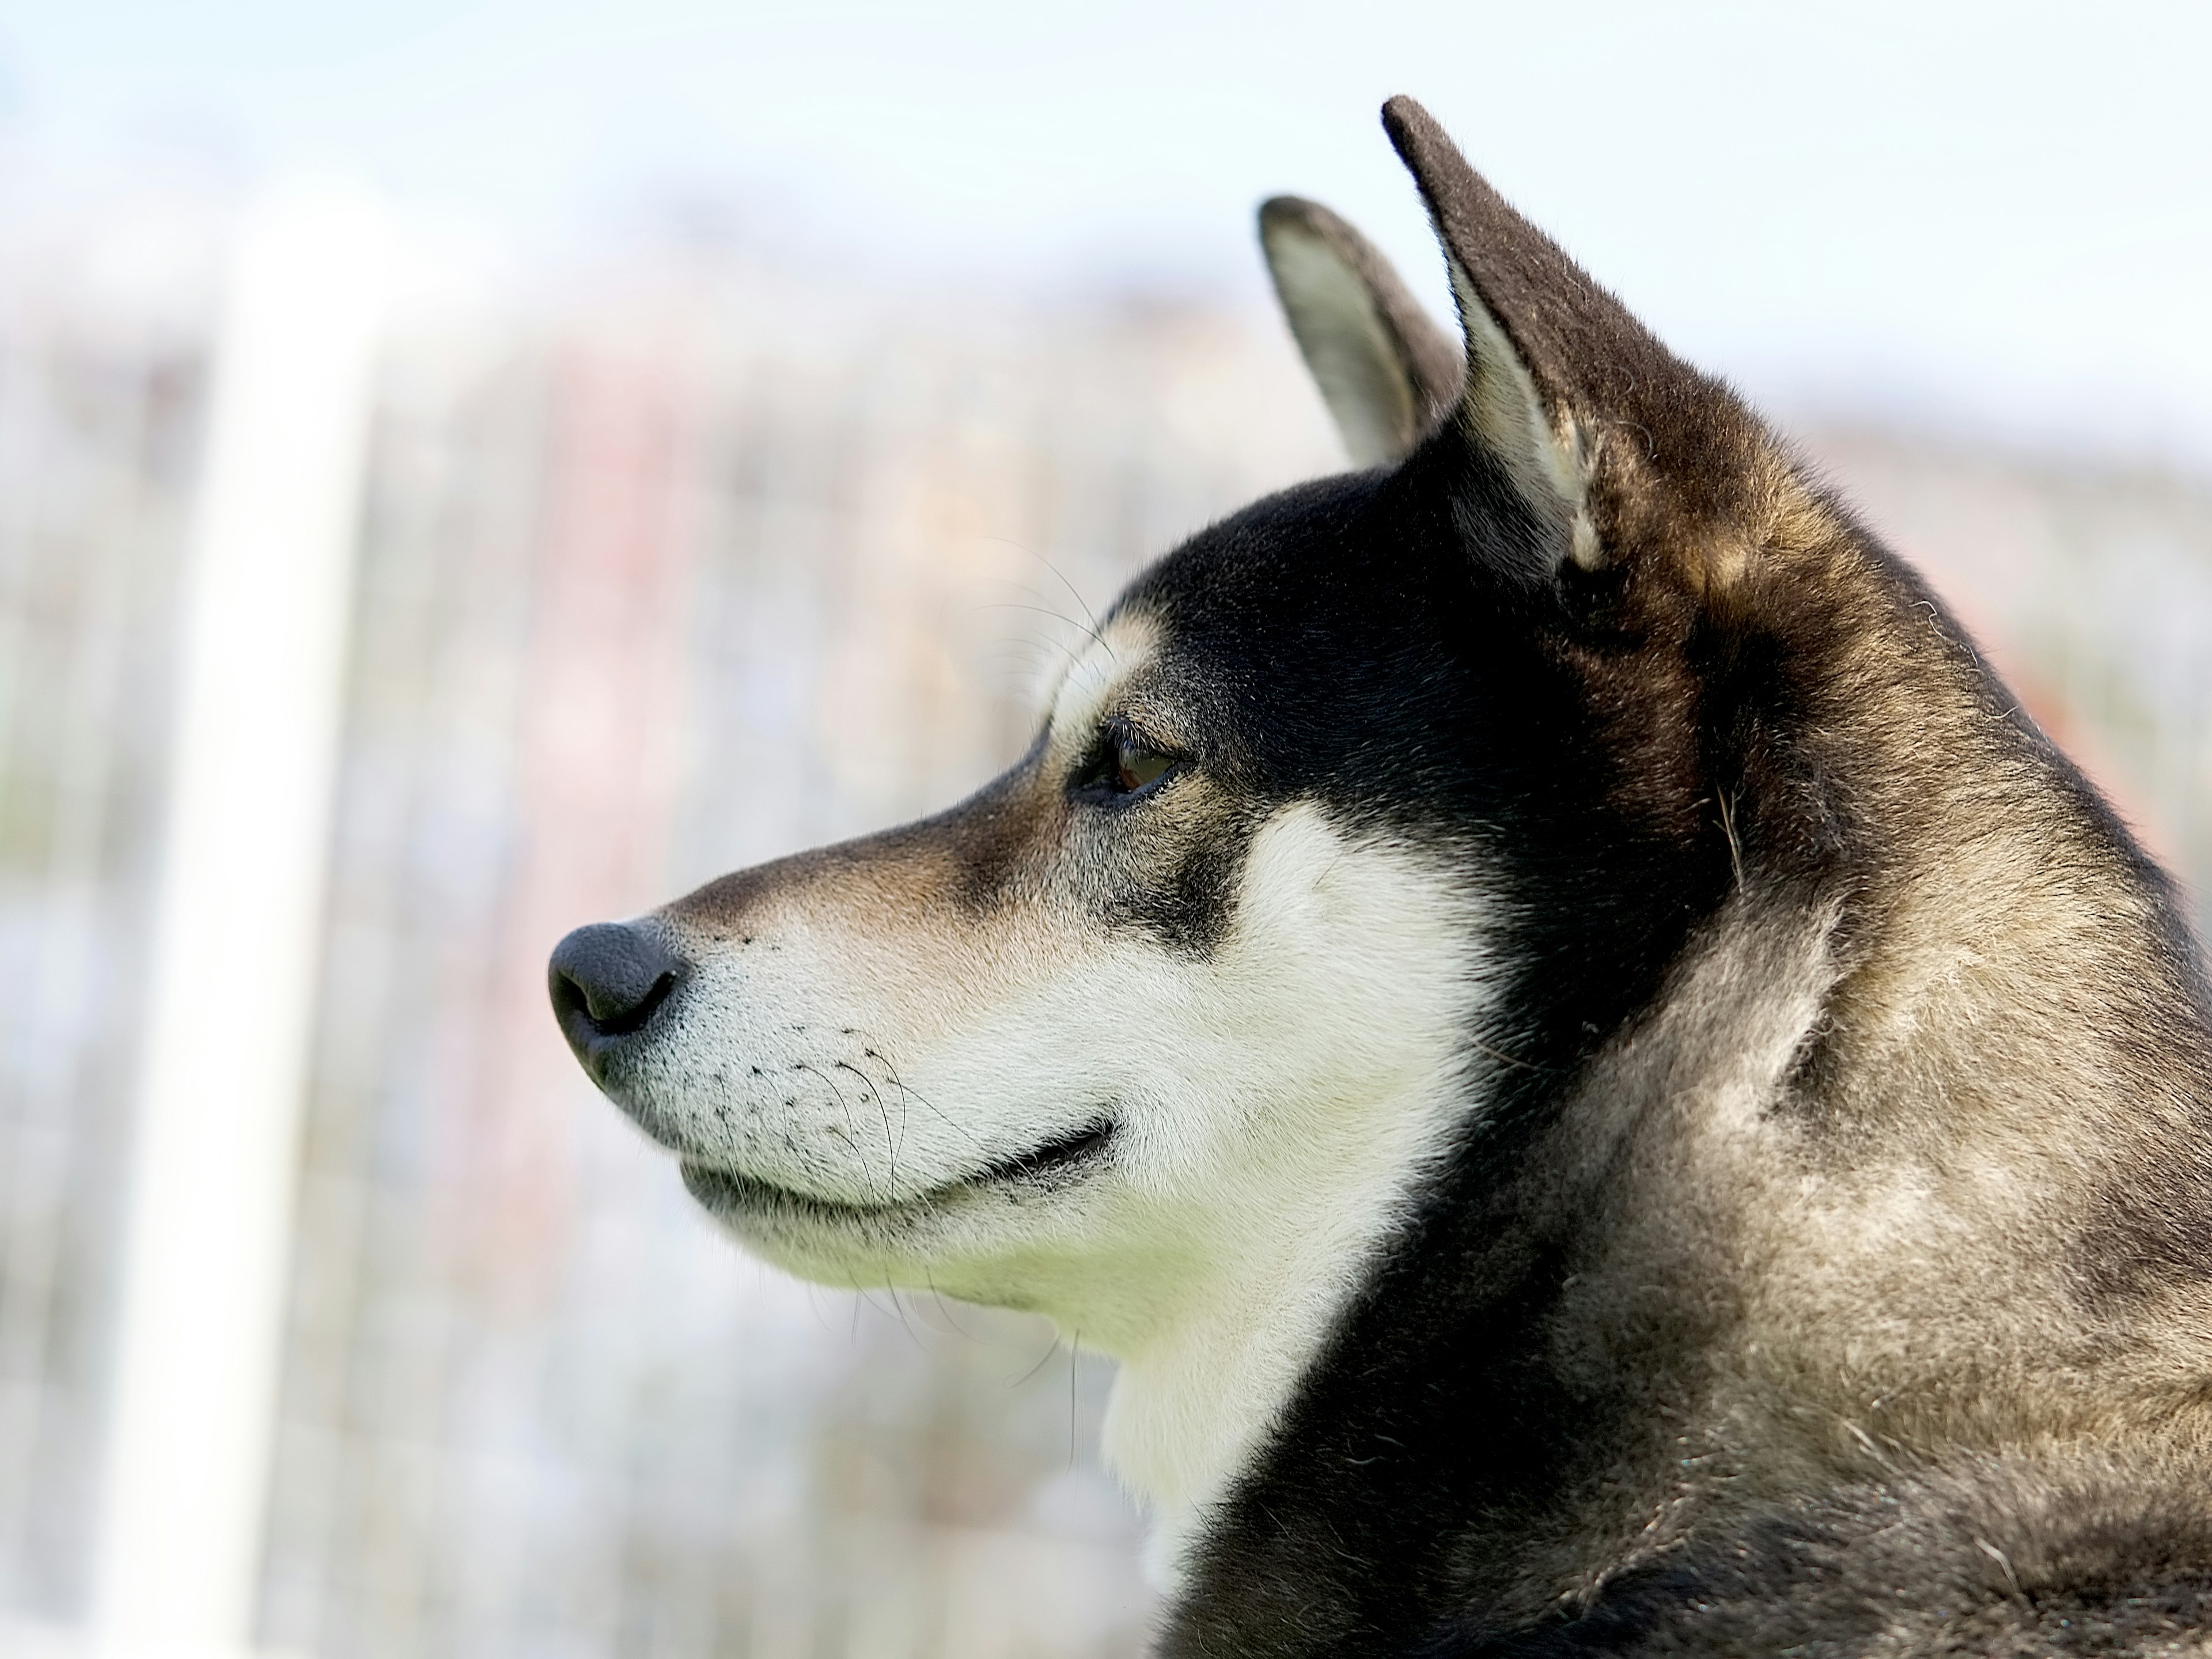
1609 1090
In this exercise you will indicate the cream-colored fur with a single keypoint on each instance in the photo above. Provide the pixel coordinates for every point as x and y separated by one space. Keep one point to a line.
1370 393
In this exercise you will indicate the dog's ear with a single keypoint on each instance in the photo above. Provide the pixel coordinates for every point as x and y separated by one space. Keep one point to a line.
1386 371
1609 440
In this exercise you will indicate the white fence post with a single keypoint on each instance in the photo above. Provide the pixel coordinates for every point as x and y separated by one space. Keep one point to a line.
264 611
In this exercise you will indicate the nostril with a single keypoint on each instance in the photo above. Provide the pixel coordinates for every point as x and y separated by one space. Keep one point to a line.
606 980
610 1014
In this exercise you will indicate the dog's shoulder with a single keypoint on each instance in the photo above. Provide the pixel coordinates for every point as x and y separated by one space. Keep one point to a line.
1991 1557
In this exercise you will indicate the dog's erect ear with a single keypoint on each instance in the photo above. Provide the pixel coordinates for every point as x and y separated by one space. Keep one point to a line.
1592 420
1386 371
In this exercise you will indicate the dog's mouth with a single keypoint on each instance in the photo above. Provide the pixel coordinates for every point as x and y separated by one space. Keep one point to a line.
1060 1161
1084 1145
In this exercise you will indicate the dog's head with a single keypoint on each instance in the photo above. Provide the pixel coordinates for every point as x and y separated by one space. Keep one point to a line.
1362 806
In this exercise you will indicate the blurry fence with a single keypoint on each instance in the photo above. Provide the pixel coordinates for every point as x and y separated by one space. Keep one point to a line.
700 566
98 434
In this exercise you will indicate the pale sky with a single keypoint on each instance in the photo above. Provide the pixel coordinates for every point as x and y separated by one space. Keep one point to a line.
1998 215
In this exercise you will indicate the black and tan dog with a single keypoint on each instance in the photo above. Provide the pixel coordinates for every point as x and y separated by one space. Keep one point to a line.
1609 1091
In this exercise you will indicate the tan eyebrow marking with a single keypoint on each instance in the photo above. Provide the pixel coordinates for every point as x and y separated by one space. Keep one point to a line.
1127 645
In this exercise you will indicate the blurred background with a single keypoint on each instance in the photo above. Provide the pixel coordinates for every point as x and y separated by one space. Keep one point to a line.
468 470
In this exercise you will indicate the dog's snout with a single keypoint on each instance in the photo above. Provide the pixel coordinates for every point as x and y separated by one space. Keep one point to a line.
606 980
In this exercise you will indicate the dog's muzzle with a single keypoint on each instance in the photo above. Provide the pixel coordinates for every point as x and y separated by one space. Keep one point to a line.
607 981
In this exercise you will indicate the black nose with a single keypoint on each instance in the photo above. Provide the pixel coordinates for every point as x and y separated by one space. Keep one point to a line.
606 981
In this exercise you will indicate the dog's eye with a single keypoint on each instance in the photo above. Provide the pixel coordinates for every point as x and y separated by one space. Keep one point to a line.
1135 765
1121 765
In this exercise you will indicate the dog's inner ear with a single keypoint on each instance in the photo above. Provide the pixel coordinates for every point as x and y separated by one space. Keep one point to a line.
1574 401
1386 371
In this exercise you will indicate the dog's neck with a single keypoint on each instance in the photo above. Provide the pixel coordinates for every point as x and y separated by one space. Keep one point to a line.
1202 1385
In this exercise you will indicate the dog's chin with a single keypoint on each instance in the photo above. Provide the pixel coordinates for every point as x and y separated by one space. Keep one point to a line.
810 1234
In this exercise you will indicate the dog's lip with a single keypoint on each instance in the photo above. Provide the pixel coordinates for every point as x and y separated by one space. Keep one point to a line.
1077 1147
1088 1145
